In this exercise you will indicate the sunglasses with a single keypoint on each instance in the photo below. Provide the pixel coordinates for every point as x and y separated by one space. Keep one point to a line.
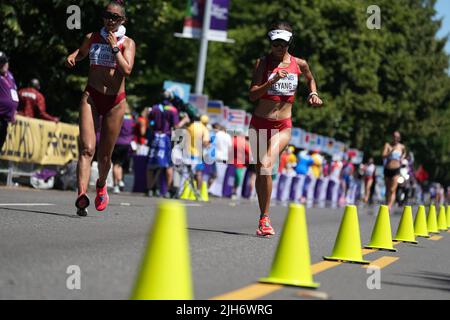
279 44
111 16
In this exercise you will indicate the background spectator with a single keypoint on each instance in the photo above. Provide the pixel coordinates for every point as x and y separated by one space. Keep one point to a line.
120 156
8 97
32 102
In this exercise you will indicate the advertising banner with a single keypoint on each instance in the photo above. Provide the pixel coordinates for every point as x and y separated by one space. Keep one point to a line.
42 142
193 22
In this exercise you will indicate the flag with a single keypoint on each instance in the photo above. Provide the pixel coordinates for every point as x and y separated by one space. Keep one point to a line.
215 107
193 22
235 117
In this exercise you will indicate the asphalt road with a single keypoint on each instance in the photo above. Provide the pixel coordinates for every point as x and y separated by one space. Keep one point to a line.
41 236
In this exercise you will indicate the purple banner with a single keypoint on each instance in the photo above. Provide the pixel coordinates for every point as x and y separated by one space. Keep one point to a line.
193 22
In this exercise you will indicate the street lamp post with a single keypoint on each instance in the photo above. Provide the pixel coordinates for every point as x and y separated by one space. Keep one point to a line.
203 54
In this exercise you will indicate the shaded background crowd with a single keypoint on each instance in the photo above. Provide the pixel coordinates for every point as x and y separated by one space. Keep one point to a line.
368 79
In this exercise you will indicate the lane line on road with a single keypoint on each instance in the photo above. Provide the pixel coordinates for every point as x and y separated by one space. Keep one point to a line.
251 292
323 265
25 204
258 290
435 238
381 262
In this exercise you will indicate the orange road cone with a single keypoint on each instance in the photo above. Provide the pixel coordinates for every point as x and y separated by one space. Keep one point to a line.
347 247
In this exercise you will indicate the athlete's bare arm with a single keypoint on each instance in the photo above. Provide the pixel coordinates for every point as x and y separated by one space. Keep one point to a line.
80 53
125 61
403 151
386 150
313 100
258 88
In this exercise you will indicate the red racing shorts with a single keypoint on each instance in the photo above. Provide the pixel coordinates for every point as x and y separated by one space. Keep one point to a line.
271 125
104 102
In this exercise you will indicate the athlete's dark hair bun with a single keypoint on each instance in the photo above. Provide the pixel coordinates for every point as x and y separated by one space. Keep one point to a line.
121 2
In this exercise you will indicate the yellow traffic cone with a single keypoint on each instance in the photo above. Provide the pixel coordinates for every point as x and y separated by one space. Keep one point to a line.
186 191
382 234
348 242
432 220
448 216
165 272
191 192
441 219
420 223
292 265
405 231
204 191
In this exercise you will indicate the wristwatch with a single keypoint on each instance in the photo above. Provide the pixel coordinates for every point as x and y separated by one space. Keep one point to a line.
115 50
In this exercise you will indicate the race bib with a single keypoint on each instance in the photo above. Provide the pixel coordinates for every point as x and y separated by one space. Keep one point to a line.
101 54
14 95
284 87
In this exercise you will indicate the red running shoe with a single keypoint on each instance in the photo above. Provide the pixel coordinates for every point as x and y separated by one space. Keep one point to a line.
265 227
102 198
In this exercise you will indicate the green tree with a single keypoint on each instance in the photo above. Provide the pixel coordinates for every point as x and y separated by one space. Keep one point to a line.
373 81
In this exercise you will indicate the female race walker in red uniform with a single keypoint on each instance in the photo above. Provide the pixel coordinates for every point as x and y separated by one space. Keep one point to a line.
275 81
111 56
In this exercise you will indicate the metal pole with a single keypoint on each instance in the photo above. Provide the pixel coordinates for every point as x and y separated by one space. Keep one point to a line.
203 54
9 178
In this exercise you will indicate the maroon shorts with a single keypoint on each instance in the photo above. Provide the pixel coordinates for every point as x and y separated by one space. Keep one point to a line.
272 126
104 102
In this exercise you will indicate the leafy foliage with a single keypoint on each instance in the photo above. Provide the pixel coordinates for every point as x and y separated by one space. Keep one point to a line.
373 81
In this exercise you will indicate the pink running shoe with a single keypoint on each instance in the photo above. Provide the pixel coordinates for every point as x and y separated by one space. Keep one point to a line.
102 198
265 227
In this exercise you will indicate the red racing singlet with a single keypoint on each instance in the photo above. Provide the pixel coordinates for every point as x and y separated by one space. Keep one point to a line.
100 52
284 89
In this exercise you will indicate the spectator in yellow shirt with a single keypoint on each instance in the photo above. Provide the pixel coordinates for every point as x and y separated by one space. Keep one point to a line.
316 167
198 140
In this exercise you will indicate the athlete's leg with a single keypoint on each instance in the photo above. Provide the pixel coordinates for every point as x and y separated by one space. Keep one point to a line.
169 177
117 173
369 183
277 143
393 191
151 178
111 125
87 139
199 178
388 185
252 183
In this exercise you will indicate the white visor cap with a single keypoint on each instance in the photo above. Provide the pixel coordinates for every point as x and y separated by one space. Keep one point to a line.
280 34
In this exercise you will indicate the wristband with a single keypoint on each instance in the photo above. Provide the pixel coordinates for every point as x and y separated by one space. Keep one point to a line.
314 93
